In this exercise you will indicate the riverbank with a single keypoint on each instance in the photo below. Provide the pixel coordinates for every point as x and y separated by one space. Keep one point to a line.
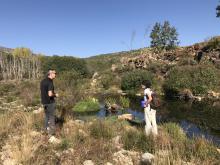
104 141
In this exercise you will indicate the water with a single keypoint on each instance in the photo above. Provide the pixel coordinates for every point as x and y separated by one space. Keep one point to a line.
196 118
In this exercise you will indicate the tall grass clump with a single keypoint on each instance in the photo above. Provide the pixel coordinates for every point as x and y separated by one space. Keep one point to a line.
137 140
124 102
101 129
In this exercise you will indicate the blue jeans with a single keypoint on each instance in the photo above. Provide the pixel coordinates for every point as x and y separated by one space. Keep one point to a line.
49 110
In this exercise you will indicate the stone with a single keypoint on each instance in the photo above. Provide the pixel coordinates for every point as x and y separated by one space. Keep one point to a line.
54 140
108 163
147 158
126 117
9 162
88 162
79 122
126 157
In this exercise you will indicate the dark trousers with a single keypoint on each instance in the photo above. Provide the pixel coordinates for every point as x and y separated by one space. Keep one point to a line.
49 110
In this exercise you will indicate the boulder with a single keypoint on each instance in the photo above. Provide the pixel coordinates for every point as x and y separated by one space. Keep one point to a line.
88 162
147 158
126 157
126 117
54 140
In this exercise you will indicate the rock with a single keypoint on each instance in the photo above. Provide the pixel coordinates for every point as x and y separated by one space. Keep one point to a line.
198 98
147 159
113 68
126 117
126 157
108 163
35 133
186 94
54 140
79 122
212 94
9 162
88 162
39 110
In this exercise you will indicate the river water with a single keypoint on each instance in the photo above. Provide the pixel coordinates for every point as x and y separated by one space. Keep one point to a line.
196 118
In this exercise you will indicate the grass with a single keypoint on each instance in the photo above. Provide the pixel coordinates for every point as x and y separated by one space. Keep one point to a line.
94 140
88 105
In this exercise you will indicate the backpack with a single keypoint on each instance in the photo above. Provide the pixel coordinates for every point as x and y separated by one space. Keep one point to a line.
155 103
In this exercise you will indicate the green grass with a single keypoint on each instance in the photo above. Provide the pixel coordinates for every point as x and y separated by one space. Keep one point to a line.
88 105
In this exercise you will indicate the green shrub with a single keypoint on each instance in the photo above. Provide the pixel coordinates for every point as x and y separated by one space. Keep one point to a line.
132 80
137 140
199 79
88 105
213 43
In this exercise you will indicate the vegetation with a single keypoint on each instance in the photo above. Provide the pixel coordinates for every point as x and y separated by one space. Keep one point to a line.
21 64
65 64
88 105
132 80
218 11
199 79
164 36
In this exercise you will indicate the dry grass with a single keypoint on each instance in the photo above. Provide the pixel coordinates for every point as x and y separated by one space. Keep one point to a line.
93 140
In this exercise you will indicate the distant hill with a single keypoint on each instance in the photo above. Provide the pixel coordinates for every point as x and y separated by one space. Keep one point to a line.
4 49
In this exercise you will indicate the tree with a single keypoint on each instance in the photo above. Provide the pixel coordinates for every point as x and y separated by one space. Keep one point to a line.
218 11
164 36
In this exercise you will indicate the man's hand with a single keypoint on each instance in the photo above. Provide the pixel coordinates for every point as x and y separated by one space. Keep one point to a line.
56 95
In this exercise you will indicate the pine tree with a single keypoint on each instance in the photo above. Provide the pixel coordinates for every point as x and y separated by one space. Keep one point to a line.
164 36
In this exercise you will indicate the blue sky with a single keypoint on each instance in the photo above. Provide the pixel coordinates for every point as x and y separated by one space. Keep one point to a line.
84 28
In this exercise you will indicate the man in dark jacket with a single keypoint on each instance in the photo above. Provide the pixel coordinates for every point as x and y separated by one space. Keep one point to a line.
48 100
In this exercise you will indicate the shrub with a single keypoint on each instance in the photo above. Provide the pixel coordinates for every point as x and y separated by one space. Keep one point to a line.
132 80
213 43
199 79
88 105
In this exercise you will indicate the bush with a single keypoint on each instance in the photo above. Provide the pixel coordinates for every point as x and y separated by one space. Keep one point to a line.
88 105
213 43
199 79
133 80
